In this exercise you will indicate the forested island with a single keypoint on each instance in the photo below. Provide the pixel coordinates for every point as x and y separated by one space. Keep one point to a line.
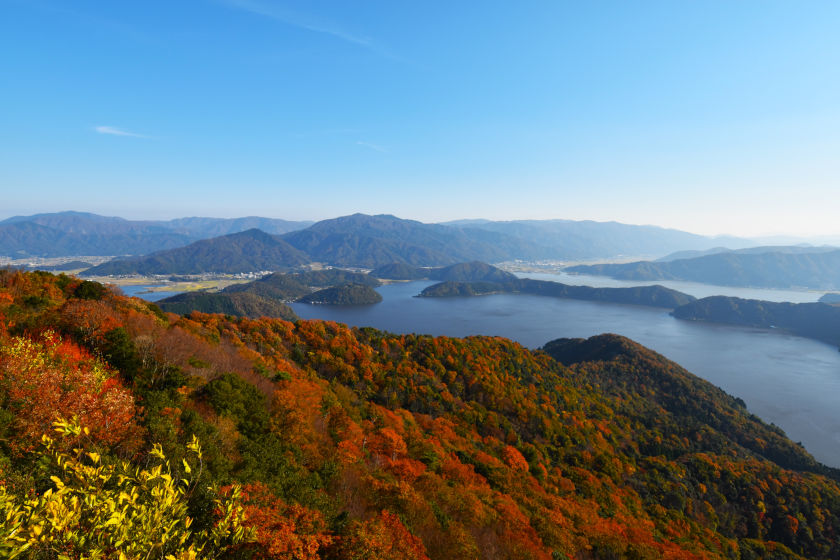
240 304
268 296
656 296
346 294
813 320
241 438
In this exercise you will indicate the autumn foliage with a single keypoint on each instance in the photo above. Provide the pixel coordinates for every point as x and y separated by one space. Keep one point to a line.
354 443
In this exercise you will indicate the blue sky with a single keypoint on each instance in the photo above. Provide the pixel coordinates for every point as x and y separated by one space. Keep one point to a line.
713 117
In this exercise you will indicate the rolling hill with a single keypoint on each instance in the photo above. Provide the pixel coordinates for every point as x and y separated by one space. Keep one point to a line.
345 294
236 304
372 241
247 251
654 296
293 286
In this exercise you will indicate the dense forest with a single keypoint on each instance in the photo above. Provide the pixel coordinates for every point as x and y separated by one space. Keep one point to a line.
126 431
345 294
814 320
241 304
268 296
656 296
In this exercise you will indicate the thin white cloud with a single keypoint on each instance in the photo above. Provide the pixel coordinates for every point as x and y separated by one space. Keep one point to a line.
372 146
117 131
301 20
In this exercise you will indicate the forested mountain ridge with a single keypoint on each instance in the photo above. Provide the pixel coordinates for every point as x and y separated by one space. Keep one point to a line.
815 269
355 443
247 251
474 271
587 239
26 239
372 241
82 233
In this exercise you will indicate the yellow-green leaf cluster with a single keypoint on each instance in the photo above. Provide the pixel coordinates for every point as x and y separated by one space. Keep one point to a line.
99 510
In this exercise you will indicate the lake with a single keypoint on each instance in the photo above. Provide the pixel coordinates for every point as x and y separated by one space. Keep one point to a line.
142 291
791 381
691 288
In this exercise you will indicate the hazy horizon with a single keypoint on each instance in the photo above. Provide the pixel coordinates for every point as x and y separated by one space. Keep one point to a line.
766 238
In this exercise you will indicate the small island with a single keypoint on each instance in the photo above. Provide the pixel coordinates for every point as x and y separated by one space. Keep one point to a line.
654 296
237 304
347 294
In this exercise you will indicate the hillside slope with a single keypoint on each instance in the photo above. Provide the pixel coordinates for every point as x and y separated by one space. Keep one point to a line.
238 304
655 296
373 241
247 251
355 443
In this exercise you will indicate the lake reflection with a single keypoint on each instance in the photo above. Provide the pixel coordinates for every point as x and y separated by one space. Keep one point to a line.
791 381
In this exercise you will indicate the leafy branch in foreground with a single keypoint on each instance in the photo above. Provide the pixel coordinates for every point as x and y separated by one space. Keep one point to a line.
95 509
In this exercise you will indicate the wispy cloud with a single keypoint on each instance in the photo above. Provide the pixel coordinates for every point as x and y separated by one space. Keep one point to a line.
372 146
117 131
308 22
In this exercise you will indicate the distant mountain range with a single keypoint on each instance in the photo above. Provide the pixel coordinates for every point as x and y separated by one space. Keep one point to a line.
791 249
363 241
358 240
789 267
237 304
569 239
80 233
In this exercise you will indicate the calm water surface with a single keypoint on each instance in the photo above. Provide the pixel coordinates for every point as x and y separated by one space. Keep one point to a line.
791 381
690 288
142 292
